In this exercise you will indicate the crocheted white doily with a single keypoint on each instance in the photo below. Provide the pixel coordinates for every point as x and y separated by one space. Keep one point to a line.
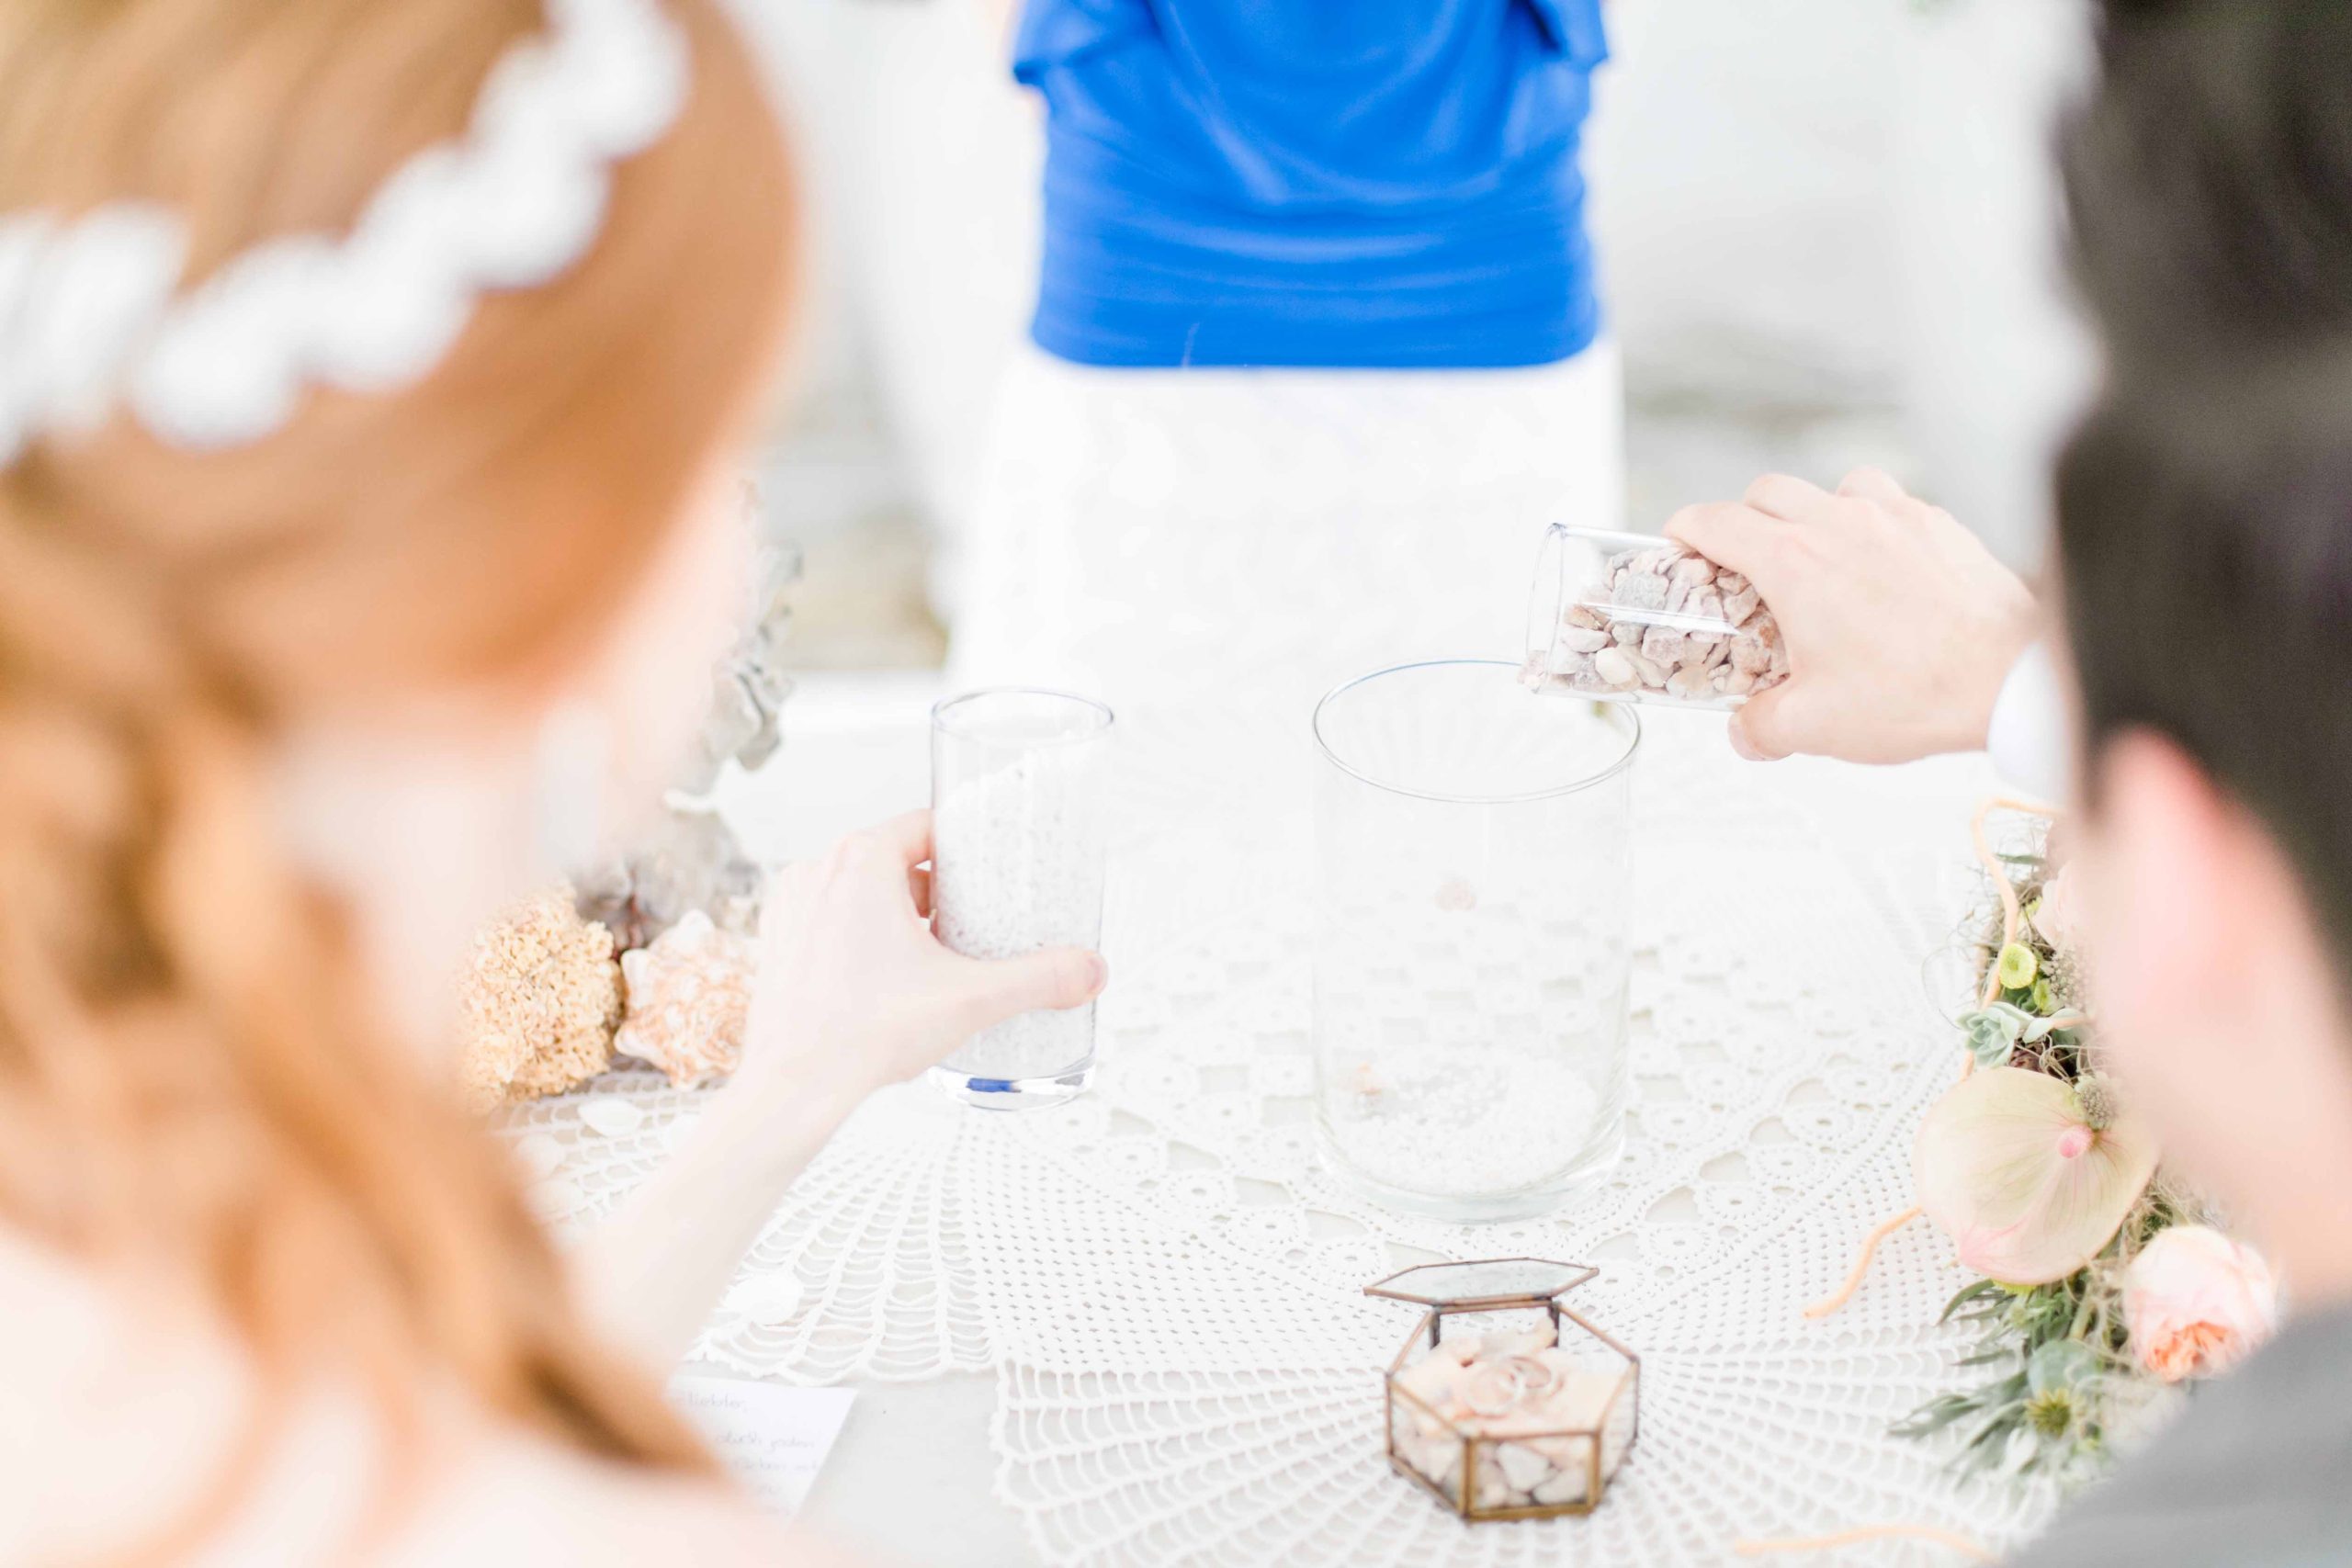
1163 1278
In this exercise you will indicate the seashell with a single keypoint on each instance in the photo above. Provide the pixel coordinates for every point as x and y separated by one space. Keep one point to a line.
539 1156
1430 1380
610 1116
553 1199
1507 1342
689 999
1455 894
767 1301
1488 1388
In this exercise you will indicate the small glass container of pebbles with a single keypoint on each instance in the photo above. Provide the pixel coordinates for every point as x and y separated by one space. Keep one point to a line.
1504 1404
1633 617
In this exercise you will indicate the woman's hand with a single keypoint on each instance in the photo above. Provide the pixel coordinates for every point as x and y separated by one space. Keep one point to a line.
1901 625
852 986
853 992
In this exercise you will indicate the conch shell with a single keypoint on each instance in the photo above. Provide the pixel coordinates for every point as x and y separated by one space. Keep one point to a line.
689 997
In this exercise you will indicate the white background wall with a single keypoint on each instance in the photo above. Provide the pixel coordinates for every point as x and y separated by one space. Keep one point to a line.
1819 204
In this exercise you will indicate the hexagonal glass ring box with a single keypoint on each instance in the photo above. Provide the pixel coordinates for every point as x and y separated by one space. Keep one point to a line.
1505 1404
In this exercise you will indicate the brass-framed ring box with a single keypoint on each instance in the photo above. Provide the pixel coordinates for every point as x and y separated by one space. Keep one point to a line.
1505 1404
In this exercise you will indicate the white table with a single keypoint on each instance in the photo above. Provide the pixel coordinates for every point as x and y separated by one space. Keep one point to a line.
1131 1330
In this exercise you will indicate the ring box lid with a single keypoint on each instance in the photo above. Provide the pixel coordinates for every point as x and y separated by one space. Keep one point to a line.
1486 1282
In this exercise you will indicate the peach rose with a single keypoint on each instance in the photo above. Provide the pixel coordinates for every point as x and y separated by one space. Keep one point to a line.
2195 1301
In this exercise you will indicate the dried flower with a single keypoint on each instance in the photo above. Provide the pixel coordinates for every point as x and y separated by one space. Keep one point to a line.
2016 967
2195 1301
2026 1189
2094 1102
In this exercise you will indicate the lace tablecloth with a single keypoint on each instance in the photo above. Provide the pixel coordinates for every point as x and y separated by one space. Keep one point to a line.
1168 1287
1165 1284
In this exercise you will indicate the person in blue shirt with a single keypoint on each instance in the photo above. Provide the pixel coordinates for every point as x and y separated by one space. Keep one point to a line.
1380 183
1318 346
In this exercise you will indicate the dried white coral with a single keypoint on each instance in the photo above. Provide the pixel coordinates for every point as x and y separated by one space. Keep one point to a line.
538 1004
689 998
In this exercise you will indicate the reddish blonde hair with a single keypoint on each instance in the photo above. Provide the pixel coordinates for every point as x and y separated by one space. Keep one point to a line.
191 1073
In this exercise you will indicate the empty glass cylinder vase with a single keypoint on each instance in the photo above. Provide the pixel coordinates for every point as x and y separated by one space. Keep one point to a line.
1473 847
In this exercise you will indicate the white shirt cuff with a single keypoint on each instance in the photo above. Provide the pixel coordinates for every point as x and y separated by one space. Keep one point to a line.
2028 737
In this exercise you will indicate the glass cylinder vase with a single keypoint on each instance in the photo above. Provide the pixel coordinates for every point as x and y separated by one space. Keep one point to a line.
1473 847
1019 830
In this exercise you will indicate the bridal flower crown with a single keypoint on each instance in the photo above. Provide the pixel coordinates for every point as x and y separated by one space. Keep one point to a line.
93 321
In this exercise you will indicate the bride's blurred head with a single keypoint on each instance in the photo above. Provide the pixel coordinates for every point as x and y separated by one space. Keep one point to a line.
271 707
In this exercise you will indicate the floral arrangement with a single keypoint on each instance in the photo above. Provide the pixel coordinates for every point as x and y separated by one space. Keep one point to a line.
2102 1281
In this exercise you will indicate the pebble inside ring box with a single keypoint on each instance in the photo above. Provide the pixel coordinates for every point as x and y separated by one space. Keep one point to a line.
1504 1404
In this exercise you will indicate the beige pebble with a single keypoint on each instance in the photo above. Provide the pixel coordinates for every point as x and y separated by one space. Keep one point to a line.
1691 683
1615 667
1662 645
1738 607
1652 674
1694 571
1583 639
1750 657
1638 591
1522 1466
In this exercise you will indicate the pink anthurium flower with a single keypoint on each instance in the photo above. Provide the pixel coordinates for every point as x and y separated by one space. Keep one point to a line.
2011 1168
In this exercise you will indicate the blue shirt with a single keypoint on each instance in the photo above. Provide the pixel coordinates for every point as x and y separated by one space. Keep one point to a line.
1313 182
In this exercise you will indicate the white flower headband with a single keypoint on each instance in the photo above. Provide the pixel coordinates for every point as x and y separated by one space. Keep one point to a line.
88 317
